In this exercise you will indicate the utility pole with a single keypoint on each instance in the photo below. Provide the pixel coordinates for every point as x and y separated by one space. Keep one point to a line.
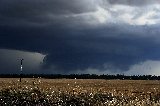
21 69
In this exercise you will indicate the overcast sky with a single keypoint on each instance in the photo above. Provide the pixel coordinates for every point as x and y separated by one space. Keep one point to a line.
80 36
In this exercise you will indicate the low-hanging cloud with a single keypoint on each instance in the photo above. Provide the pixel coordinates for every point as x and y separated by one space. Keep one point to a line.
80 35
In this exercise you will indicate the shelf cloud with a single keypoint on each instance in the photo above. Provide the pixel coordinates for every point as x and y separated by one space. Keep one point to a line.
80 36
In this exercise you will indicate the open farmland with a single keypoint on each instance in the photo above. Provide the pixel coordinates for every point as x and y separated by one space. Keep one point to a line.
79 92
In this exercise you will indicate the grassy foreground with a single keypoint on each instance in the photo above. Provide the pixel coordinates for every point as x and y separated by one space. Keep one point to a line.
79 92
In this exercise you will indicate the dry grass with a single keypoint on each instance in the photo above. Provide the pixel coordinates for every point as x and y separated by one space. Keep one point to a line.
79 92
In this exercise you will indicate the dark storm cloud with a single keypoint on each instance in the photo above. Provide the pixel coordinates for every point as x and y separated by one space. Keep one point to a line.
95 51
27 12
54 27
91 49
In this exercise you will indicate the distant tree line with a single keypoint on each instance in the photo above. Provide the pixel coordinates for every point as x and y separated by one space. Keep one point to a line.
83 76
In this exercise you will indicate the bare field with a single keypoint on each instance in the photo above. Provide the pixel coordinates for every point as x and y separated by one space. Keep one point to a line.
79 92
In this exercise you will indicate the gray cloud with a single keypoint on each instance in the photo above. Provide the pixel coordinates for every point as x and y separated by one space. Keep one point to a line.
134 2
10 61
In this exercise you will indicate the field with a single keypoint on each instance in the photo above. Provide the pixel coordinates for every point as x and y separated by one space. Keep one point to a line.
79 92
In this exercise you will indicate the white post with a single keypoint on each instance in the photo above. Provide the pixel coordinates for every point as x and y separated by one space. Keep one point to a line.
21 69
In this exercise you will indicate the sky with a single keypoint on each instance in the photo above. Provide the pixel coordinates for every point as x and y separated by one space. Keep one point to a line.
80 36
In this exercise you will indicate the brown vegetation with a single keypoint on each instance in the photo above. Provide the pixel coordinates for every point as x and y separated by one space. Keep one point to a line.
79 92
